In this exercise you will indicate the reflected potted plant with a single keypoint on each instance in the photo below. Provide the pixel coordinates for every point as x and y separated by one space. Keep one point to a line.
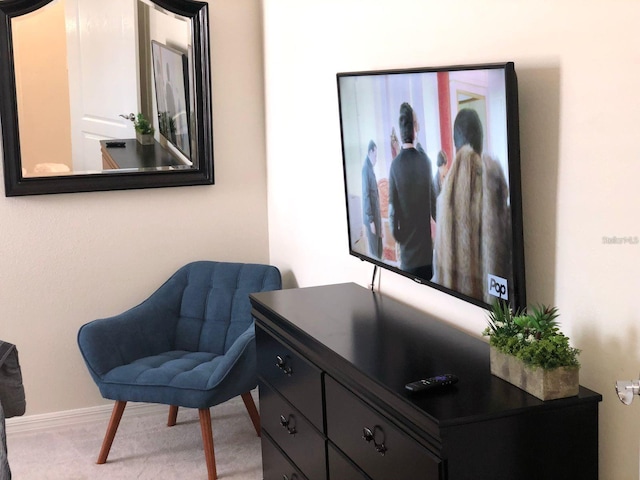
529 351
144 128
167 125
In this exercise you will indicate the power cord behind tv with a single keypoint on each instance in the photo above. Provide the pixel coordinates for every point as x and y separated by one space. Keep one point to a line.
373 279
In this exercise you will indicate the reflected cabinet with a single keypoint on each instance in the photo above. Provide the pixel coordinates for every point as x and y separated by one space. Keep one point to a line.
332 364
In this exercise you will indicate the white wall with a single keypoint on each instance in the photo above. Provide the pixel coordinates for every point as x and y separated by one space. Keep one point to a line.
578 66
68 259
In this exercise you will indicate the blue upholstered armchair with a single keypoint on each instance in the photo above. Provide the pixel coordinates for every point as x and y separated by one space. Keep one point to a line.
190 344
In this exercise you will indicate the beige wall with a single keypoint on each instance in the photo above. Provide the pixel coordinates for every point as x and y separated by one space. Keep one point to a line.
68 259
578 71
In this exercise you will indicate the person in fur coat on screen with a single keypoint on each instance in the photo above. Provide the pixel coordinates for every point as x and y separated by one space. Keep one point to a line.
473 230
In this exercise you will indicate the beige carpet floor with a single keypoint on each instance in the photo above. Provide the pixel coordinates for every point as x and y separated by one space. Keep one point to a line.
144 448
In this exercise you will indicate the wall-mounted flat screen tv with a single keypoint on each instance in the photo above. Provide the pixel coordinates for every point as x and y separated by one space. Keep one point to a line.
431 162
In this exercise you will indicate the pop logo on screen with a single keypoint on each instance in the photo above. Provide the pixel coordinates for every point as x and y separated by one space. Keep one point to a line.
498 287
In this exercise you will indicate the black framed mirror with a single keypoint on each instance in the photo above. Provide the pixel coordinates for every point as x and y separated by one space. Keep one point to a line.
78 76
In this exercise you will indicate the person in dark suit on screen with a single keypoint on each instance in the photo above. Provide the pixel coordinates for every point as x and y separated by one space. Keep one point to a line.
371 202
412 200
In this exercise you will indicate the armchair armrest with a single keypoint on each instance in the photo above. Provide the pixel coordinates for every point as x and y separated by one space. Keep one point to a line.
144 330
241 352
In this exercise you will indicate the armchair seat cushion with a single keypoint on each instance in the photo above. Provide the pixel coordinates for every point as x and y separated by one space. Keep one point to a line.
177 377
176 369
185 378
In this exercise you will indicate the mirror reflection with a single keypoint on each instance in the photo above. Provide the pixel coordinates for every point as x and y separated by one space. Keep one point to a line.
104 87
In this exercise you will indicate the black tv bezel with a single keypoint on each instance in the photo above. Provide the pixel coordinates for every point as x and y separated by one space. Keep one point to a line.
518 300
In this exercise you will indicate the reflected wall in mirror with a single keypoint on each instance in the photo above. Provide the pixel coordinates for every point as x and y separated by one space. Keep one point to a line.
78 75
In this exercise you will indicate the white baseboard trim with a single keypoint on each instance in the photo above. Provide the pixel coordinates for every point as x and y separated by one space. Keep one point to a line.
66 418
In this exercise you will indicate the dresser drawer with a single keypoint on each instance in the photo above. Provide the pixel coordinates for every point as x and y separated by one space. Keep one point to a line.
298 380
293 433
275 466
342 469
379 448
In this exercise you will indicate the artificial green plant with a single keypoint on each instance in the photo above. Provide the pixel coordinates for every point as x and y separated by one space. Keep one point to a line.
533 337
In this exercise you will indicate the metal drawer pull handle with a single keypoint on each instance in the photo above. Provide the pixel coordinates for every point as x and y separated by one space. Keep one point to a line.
286 423
281 363
369 435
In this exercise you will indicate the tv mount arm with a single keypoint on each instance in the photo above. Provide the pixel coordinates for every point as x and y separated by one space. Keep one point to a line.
626 389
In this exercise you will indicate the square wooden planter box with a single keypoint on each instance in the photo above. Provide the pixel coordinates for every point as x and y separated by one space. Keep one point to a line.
145 138
544 384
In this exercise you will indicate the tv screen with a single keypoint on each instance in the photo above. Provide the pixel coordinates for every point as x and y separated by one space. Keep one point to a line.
432 177
171 83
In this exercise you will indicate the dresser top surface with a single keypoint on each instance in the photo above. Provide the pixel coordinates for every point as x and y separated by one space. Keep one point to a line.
353 331
136 155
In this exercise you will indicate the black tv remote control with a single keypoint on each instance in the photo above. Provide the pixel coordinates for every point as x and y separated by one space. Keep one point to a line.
432 383
115 145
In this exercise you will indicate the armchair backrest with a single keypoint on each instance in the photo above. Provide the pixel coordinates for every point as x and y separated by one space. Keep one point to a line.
211 300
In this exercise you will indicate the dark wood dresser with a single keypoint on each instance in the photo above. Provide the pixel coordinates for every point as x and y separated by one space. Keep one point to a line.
332 363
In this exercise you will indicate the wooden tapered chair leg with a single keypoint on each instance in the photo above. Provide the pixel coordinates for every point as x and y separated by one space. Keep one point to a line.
173 415
252 410
207 442
112 428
